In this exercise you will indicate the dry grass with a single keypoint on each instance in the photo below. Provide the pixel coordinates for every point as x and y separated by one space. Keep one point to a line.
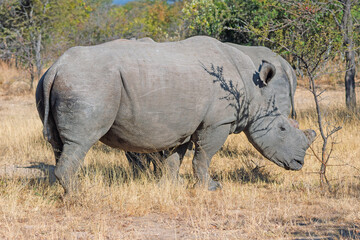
263 203
332 76
12 80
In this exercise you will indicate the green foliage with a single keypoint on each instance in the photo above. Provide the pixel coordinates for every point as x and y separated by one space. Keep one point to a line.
206 17
304 29
99 21
24 21
23 26
19 22
222 19
68 16
75 22
149 18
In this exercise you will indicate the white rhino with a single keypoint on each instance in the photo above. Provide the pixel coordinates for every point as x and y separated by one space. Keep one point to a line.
283 84
148 97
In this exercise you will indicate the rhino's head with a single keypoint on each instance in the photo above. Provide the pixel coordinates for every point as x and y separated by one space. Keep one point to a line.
280 142
272 134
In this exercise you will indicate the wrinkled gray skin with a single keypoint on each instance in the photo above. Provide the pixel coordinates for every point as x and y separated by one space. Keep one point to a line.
149 97
283 83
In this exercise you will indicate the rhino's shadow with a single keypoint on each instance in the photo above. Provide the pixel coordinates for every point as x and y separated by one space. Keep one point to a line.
109 173
121 174
45 172
245 175
33 175
239 175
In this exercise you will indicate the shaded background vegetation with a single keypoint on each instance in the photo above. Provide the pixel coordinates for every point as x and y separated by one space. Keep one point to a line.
33 33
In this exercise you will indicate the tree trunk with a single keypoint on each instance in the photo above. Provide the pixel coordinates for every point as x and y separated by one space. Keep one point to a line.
31 70
350 80
347 28
38 59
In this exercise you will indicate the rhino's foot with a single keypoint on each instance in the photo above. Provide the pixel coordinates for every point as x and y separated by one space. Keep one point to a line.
69 182
214 185
171 178
211 185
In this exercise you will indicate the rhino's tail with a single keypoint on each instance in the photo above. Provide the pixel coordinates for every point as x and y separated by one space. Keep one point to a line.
48 81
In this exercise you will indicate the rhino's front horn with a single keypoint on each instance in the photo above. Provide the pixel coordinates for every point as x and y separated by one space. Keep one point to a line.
310 134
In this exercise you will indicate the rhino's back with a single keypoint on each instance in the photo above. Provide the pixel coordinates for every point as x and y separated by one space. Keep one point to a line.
167 90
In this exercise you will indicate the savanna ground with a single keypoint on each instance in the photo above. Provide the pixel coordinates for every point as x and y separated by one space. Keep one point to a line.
263 202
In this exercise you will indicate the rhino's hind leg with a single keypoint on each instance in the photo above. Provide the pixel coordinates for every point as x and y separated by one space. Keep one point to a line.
56 142
72 157
79 129
57 146
207 142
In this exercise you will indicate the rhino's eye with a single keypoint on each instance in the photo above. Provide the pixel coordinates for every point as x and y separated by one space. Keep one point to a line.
282 127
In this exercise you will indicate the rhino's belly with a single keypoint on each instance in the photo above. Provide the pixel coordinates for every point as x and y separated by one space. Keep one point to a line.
151 131
142 140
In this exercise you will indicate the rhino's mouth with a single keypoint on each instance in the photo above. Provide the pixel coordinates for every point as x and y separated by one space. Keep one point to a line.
294 165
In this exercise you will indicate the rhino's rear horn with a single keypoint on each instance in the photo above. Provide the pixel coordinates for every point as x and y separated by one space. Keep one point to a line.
267 72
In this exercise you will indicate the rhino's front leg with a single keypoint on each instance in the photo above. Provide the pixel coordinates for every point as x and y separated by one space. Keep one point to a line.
207 142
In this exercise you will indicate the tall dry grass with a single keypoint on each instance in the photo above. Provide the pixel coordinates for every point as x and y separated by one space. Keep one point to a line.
331 75
13 80
258 201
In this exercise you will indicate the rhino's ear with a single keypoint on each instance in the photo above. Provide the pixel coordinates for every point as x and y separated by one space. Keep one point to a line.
267 72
